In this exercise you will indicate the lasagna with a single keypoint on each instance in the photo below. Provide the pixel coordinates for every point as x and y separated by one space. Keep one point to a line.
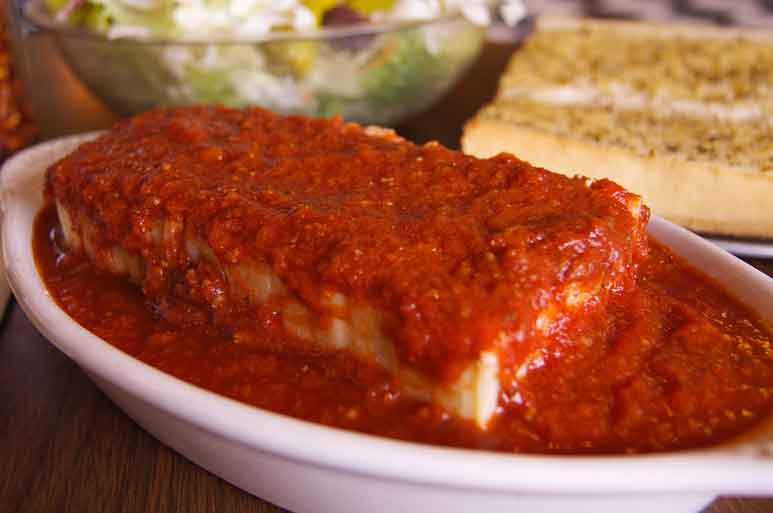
455 274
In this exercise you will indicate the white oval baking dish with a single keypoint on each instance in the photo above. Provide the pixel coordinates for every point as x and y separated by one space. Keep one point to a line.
306 467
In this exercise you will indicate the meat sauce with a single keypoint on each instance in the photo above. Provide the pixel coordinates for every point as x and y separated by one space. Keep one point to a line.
451 251
681 365
605 342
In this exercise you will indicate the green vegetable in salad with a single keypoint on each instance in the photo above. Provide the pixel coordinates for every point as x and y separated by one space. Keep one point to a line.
291 57
399 71
100 16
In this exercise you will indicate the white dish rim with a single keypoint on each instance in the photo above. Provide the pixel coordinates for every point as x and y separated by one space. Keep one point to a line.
744 467
751 248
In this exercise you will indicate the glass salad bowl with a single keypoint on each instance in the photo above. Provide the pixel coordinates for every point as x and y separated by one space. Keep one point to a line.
378 72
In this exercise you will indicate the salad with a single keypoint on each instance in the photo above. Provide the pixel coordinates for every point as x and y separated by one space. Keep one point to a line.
272 53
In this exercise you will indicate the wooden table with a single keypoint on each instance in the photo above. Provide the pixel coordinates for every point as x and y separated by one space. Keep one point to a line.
65 448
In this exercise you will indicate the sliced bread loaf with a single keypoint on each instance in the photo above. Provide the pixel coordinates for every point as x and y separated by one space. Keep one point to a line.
680 115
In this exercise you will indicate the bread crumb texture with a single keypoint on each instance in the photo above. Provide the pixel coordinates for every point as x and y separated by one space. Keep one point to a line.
696 98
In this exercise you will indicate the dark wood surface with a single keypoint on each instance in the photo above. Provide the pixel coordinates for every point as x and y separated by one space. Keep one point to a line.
65 448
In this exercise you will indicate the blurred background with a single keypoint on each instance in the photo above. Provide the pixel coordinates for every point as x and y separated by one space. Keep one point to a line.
749 13
60 104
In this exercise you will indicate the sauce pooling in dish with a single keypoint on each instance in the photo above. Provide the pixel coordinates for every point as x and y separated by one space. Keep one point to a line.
684 365
455 274
347 276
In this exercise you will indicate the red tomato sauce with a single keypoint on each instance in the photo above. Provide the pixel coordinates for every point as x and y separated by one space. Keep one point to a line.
681 365
452 251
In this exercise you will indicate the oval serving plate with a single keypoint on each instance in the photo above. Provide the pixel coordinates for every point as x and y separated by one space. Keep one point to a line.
753 248
308 467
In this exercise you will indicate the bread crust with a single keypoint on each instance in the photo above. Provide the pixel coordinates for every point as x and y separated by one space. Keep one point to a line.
544 23
704 196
